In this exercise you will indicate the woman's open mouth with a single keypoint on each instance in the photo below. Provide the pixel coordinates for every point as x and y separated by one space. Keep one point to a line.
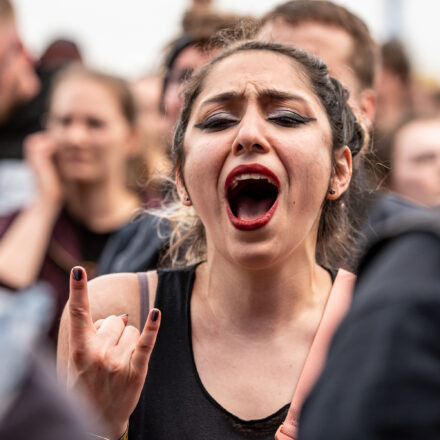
252 195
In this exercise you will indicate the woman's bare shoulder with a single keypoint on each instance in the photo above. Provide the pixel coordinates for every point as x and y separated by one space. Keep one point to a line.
116 294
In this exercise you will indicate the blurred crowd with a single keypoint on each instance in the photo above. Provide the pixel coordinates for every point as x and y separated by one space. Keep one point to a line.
86 160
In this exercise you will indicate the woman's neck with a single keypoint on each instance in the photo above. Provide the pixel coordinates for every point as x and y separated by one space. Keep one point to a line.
265 300
101 206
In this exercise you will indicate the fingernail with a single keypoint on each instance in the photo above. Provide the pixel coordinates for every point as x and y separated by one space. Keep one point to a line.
154 315
77 274
123 315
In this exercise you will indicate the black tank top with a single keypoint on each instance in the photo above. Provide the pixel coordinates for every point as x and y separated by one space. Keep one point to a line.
174 405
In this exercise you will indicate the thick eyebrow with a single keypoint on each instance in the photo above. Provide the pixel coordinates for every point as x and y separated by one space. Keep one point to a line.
222 97
279 95
272 94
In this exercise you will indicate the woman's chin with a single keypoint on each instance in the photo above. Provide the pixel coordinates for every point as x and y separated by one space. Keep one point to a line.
79 175
255 257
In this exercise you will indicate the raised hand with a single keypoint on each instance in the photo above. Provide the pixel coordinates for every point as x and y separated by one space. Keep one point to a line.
40 149
109 358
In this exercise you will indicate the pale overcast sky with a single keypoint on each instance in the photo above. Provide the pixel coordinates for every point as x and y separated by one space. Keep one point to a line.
126 37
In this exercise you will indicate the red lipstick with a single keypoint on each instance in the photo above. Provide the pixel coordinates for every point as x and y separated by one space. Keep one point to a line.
259 222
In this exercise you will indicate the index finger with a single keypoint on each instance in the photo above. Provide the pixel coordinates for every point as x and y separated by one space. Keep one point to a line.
81 323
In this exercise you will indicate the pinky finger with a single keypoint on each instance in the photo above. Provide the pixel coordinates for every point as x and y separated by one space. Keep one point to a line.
146 341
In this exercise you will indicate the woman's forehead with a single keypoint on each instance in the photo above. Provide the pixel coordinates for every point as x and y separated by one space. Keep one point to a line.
258 69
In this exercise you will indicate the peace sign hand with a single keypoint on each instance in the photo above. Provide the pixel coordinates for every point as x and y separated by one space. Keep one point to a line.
109 360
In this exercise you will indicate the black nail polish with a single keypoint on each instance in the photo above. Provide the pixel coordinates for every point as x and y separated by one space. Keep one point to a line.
154 315
77 274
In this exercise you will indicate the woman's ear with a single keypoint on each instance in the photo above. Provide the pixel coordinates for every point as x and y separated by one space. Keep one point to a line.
181 188
342 173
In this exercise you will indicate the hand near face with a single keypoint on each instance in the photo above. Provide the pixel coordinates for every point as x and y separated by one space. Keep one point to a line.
109 358
40 149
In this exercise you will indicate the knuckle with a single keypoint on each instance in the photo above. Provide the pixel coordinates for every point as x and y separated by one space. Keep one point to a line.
78 355
111 321
131 330
77 312
146 345
114 367
151 327
97 360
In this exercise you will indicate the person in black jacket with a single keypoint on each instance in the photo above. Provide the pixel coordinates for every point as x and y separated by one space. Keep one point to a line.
382 377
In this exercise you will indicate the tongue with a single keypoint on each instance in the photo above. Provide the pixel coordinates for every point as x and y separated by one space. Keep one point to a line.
250 209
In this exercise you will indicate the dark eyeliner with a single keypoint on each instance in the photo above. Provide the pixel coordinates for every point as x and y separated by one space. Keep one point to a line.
216 123
289 119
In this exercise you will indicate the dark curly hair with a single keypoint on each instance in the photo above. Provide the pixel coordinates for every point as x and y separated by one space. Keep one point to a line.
334 228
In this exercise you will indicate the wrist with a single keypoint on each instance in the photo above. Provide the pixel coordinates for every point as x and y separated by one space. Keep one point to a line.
50 205
121 432
123 436
124 433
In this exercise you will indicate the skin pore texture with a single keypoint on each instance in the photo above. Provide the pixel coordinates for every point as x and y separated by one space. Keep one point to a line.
259 290
416 162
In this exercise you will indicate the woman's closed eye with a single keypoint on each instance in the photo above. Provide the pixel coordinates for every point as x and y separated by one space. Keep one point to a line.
286 118
217 122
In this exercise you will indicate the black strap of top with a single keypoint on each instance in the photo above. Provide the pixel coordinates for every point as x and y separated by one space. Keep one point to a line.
144 298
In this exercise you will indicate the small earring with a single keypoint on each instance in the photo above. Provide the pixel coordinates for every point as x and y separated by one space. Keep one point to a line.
331 191
187 199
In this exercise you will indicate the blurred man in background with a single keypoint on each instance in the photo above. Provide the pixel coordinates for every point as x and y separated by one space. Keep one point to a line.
18 81
20 112
336 35
412 155
394 87
152 124
381 380
343 41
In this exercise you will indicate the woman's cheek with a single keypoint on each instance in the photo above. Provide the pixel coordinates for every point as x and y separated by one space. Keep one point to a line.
203 165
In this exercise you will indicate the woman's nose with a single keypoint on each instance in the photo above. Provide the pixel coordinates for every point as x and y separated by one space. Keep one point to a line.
77 134
251 136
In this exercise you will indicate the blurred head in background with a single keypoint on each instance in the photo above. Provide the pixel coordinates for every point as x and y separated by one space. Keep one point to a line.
413 156
340 38
18 81
186 54
192 50
394 86
60 53
151 124
426 94
92 121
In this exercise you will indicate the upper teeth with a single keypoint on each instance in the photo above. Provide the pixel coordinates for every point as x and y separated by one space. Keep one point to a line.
250 176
